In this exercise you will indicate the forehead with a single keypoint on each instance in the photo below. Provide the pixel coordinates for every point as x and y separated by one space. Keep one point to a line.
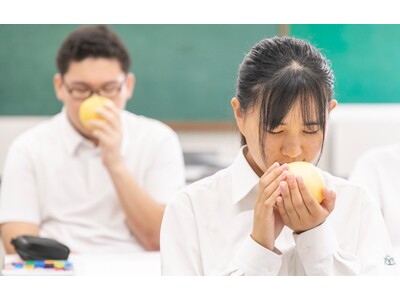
300 114
94 70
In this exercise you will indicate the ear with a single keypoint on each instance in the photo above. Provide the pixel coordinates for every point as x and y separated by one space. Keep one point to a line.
58 87
130 85
239 114
332 105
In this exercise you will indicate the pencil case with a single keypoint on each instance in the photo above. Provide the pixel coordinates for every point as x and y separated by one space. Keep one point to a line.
38 248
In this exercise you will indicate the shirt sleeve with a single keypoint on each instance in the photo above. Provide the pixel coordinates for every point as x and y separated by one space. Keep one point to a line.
255 260
166 173
374 246
180 246
320 254
179 240
18 194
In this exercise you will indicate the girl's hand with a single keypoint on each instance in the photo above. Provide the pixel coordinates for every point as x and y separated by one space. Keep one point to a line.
298 209
267 224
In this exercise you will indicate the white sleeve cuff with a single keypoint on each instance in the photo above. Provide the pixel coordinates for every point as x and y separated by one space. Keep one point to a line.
316 244
254 259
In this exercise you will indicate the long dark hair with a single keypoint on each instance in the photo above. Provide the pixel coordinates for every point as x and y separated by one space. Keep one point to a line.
279 72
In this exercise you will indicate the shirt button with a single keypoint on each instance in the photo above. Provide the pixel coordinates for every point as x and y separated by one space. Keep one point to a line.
271 268
306 249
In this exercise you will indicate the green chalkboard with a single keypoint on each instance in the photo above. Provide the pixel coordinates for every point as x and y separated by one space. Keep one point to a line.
183 72
365 59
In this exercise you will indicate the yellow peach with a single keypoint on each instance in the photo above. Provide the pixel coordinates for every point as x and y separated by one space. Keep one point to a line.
87 110
311 176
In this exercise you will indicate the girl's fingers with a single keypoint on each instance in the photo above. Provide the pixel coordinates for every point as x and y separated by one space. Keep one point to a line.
309 201
287 202
329 199
282 210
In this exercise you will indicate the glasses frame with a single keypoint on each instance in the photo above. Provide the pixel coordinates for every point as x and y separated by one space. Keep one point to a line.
93 91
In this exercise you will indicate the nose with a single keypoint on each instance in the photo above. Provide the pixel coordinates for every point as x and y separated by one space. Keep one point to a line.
96 92
292 148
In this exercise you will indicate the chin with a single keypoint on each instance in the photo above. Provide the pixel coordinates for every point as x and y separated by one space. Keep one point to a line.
85 132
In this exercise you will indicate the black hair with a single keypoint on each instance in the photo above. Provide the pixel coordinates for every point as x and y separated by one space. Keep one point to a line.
277 73
92 41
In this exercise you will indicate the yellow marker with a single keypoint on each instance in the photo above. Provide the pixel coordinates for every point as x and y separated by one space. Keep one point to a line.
29 266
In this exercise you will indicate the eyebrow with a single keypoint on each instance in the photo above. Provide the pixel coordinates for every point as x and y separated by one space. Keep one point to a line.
86 84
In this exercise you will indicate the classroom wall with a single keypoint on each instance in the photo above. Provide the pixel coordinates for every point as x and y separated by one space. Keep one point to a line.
183 72
352 130
187 73
365 59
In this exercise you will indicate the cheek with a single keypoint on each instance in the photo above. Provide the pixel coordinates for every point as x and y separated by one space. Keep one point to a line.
72 108
120 103
272 151
312 146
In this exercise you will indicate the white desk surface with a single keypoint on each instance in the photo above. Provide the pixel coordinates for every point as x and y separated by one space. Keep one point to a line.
133 264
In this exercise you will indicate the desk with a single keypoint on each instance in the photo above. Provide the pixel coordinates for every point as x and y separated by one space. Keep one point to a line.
133 264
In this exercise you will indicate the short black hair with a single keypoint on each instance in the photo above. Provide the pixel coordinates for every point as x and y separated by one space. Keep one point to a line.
92 41
279 72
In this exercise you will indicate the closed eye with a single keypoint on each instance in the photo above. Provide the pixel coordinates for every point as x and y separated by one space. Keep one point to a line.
274 132
311 132
83 90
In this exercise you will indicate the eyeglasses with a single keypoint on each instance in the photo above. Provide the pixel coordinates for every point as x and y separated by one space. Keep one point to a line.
109 90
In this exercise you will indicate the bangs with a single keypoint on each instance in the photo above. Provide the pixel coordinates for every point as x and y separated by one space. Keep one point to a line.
290 88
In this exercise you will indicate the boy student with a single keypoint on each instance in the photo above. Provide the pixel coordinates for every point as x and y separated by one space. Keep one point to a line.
100 190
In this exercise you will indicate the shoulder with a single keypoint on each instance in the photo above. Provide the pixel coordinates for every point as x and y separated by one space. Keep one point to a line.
382 153
346 191
339 183
205 192
39 135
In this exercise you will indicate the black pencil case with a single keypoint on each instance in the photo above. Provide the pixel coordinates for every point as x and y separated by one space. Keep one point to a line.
38 248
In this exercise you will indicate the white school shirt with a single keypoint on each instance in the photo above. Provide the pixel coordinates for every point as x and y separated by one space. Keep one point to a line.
206 231
55 178
378 171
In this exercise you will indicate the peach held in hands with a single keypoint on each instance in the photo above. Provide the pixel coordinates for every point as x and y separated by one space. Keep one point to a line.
87 110
311 176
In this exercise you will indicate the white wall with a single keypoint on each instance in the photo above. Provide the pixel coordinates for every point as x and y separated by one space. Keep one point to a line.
357 128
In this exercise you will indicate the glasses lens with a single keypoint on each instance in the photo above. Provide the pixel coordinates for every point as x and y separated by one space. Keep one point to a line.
110 92
80 93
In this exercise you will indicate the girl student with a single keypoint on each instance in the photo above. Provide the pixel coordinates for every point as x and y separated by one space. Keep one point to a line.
254 217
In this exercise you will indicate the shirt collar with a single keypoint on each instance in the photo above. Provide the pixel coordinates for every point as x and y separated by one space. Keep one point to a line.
125 133
244 179
71 137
